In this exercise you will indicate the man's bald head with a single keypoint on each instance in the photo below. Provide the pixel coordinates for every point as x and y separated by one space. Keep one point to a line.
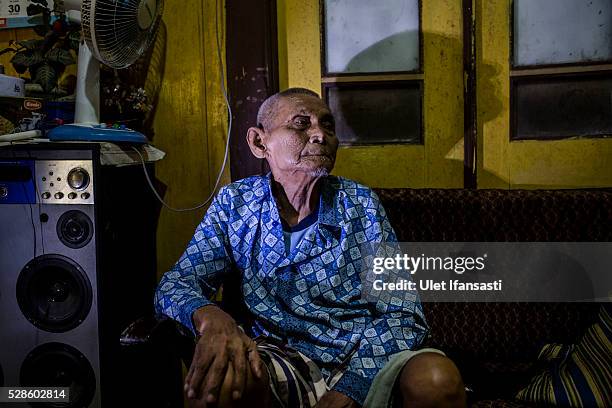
268 108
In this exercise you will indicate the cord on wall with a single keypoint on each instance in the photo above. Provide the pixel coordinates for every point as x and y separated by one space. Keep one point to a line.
229 128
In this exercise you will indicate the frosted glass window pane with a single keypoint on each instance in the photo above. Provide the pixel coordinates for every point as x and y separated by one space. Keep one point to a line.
376 113
553 108
562 31
371 36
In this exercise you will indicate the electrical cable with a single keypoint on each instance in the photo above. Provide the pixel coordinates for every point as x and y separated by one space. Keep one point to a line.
229 129
40 223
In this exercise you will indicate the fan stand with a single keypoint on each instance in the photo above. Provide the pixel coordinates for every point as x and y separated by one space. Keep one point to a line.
87 103
87 125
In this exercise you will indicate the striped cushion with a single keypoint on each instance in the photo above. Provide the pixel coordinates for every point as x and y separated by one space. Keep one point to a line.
578 375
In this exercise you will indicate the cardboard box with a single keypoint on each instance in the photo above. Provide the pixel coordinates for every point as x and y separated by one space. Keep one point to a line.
20 114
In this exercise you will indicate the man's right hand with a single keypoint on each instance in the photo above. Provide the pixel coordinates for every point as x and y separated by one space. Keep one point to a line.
221 343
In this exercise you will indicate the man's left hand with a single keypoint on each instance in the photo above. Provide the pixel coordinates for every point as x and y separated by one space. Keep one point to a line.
335 399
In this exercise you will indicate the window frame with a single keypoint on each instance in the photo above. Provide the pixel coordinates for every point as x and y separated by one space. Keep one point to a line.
326 86
326 74
542 79
544 72
348 79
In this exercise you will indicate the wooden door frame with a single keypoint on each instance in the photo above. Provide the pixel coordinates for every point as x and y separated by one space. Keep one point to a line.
470 128
252 74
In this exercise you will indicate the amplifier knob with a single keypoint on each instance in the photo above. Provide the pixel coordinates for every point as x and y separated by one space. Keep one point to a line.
46 195
3 192
84 196
59 195
78 179
72 195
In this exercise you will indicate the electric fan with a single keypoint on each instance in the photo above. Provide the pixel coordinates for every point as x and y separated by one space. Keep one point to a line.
115 33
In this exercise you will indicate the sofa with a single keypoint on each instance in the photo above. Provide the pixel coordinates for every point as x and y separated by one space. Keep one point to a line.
495 345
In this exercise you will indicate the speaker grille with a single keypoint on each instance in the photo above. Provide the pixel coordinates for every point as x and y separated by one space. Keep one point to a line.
54 293
74 229
60 365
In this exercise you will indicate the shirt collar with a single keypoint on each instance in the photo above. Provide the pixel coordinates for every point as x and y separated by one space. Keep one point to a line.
330 210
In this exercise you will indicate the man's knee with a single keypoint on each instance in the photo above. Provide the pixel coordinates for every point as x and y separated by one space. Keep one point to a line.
431 379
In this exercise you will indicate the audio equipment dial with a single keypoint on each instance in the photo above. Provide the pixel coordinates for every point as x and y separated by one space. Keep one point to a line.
65 182
78 179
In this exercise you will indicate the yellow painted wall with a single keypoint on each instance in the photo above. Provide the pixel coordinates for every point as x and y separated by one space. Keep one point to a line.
15 34
565 163
190 122
437 163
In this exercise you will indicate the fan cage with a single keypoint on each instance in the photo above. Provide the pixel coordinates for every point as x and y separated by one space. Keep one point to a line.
112 33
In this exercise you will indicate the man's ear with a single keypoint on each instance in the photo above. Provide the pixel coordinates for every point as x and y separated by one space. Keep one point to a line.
254 138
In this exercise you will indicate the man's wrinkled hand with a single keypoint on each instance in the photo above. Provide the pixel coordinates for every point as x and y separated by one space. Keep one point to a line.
221 343
335 399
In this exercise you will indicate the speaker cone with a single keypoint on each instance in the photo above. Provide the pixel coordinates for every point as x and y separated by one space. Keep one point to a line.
74 229
60 365
54 293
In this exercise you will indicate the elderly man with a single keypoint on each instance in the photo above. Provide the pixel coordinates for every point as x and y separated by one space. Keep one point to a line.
292 237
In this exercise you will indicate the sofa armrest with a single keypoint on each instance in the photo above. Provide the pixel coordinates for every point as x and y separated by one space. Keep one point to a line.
160 331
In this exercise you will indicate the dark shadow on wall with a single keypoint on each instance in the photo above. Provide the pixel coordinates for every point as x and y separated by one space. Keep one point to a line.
390 113
371 113
489 91
383 54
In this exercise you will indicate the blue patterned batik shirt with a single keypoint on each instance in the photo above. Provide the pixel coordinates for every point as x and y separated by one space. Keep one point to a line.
311 298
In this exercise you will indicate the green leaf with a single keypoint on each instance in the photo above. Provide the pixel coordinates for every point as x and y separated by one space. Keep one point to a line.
27 58
74 39
46 76
30 44
61 56
34 9
44 3
39 22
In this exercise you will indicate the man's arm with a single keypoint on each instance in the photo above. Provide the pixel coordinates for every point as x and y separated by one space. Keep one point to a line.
195 278
185 294
399 324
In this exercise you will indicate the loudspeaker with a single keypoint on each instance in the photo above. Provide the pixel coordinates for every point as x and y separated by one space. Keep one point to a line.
77 265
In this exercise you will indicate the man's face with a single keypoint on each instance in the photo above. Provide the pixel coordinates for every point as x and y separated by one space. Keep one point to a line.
301 137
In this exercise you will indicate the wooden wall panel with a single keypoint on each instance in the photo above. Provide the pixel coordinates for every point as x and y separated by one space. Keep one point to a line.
190 123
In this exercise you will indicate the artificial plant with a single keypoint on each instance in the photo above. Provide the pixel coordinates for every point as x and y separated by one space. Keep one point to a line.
46 58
